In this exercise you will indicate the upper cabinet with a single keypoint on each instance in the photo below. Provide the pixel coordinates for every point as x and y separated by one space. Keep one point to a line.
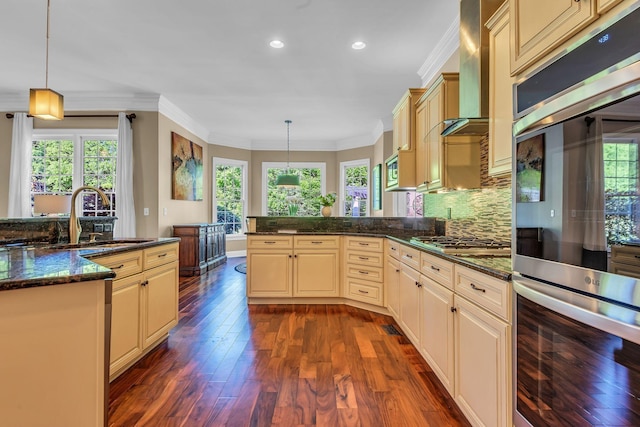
539 26
500 93
445 162
604 5
404 121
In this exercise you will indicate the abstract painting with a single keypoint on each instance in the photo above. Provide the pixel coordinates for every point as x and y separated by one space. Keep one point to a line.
186 157
529 164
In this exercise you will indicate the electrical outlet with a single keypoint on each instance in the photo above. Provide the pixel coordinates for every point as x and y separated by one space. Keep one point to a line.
108 228
145 211
98 228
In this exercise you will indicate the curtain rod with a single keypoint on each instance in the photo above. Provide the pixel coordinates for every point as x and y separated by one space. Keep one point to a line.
129 116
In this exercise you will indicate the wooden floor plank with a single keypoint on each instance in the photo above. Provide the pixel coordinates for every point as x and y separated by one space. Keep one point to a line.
228 363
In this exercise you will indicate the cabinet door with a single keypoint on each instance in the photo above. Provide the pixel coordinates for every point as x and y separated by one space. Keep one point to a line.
126 327
500 95
392 286
435 155
437 330
539 26
401 126
482 375
159 301
316 273
269 273
422 154
604 5
410 303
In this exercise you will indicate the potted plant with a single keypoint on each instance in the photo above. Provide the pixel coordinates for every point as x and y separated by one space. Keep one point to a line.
327 202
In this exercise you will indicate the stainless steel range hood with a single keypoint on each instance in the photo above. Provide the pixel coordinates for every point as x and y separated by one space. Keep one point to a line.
474 69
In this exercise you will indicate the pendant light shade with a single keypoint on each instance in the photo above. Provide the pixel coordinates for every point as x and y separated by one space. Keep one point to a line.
288 180
45 103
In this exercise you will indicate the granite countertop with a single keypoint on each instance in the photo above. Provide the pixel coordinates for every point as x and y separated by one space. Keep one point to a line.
498 267
30 266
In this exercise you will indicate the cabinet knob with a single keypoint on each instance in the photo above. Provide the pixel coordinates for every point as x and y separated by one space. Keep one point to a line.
453 309
145 283
418 284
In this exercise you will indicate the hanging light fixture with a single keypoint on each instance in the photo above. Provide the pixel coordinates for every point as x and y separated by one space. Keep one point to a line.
288 180
45 103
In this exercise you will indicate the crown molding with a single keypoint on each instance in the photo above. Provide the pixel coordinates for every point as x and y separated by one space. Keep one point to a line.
172 112
441 53
355 142
229 141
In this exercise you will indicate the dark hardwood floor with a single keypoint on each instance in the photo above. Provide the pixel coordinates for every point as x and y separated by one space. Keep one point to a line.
230 364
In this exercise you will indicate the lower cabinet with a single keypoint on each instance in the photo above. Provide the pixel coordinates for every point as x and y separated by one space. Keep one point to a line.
364 269
392 285
144 302
410 291
202 247
301 266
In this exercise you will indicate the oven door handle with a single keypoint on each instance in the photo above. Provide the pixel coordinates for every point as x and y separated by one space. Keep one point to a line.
591 311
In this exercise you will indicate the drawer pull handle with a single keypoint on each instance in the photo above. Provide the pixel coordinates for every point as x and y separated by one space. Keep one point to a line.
363 244
363 272
145 283
397 270
409 256
316 243
363 292
475 288
393 248
435 268
637 256
162 255
116 268
269 242
364 258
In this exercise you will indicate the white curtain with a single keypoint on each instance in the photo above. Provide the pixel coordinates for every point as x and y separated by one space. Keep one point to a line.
595 240
125 210
20 168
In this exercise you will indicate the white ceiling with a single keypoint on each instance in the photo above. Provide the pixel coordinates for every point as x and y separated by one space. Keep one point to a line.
211 59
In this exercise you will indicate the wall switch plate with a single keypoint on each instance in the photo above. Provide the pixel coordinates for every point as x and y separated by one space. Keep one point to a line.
165 211
98 228
145 211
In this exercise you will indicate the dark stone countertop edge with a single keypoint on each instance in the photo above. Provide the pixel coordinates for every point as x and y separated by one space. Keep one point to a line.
83 259
466 261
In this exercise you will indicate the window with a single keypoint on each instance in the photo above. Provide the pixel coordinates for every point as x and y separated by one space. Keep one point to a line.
230 194
621 189
302 201
354 176
64 160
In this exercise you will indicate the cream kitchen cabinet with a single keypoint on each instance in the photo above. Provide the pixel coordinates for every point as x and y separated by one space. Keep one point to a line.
144 301
404 121
482 306
453 161
422 176
437 331
364 269
293 266
410 294
392 277
604 5
500 93
537 27
625 260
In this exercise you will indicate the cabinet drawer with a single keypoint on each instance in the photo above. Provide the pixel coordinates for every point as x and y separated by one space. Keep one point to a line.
364 258
437 269
159 255
364 291
373 244
487 292
123 264
393 249
326 242
629 255
410 256
365 272
263 242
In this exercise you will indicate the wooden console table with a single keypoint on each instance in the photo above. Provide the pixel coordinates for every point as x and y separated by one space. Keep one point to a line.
202 247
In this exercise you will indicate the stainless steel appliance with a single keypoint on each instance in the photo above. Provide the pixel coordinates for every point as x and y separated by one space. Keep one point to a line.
463 245
577 195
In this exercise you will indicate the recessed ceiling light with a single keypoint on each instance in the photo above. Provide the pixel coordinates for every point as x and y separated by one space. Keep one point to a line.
358 45
276 44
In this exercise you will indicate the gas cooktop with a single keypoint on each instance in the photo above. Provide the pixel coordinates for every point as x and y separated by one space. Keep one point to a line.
463 245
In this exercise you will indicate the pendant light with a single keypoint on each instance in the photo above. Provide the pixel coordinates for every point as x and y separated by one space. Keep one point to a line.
288 180
45 103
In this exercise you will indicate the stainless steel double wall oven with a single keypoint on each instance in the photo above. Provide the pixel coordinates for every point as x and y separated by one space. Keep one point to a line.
576 182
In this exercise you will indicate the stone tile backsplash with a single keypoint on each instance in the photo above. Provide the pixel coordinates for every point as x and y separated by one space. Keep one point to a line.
484 213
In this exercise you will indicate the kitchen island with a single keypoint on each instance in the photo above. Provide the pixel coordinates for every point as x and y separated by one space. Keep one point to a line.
55 319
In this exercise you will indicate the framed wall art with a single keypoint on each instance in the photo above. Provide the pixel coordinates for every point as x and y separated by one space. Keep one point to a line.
186 176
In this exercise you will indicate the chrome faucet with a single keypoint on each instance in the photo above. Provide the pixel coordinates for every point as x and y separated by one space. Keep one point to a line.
74 222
